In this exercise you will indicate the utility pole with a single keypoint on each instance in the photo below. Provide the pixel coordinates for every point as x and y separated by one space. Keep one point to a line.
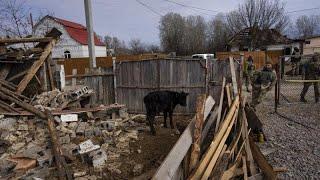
91 45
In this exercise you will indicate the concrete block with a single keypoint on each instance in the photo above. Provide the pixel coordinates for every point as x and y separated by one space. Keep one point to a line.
65 139
69 117
87 146
99 158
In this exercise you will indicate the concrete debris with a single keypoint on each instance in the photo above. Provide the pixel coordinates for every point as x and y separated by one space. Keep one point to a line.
69 117
137 169
87 146
25 143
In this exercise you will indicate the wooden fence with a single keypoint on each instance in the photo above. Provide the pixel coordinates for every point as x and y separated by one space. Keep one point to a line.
104 62
137 78
259 57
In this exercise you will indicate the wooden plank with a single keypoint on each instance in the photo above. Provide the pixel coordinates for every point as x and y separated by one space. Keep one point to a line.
228 94
244 167
222 164
24 105
195 152
245 135
35 67
220 104
208 124
17 75
233 76
50 75
24 40
170 165
262 161
216 154
216 141
221 155
233 171
4 71
74 79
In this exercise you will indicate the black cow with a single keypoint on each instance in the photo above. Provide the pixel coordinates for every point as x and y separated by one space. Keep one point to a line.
163 101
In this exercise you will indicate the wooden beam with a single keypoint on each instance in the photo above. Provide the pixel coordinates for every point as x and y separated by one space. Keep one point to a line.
220 104
170 165
228 92
195 152
50 76
233 76
35 67
233 171
221 166
262 161
216 141
245 135
216 154
24 105
209 123
221 155
5 70
17 75
24 40
244 167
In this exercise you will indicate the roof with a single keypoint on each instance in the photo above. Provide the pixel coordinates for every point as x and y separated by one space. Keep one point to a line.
312 37
77 31
260 37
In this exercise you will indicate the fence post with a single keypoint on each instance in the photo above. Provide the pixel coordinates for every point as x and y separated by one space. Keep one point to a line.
207 78
74 79
114 79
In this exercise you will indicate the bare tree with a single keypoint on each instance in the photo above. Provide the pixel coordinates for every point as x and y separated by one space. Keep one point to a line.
261 14
14 18
153 48
194 35
172 28
307 25
136 46
217 34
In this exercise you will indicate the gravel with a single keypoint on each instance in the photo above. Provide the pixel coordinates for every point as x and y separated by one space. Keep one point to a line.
294 146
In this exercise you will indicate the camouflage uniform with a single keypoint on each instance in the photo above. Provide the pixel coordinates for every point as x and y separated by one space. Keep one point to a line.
262 82
248 71
295 60
311 72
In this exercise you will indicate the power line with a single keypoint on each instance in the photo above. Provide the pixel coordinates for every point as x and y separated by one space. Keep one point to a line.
300 10
149 7
188 6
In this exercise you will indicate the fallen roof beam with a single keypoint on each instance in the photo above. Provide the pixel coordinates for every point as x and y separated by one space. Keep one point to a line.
24 40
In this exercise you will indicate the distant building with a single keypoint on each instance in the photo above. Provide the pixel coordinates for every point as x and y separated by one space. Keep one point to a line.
311 45
253 39
73 42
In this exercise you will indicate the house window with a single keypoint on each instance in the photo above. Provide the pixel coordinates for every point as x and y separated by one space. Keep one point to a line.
67 55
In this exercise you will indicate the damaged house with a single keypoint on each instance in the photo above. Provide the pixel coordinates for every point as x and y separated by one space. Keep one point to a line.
73 41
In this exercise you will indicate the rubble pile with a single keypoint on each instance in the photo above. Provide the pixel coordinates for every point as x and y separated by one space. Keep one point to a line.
90 146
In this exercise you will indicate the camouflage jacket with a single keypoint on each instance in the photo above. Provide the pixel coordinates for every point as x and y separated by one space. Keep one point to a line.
311 70
264 79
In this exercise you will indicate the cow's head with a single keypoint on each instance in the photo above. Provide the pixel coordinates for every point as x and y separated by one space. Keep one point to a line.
182 98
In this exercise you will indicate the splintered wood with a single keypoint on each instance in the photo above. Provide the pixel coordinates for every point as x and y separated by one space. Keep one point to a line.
231 153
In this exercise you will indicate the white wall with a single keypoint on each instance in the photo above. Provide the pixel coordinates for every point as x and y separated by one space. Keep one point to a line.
313 47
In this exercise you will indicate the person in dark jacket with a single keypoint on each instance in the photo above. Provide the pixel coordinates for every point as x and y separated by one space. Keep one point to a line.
248 70
311 72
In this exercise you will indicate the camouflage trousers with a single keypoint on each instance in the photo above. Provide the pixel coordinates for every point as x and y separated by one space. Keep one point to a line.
305 89
258 95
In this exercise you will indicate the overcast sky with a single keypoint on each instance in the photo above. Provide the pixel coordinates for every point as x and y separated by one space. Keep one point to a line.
128 19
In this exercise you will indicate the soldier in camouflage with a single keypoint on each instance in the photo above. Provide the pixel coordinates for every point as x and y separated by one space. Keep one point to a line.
248 70
262 82
311 72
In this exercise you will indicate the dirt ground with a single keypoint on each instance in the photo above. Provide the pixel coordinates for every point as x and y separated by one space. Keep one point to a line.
148 151
293 139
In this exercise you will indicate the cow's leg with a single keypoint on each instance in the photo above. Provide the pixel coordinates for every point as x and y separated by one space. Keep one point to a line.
150 118
165 115
173 123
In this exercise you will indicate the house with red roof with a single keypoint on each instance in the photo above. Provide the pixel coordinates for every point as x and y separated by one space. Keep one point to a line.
73 42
